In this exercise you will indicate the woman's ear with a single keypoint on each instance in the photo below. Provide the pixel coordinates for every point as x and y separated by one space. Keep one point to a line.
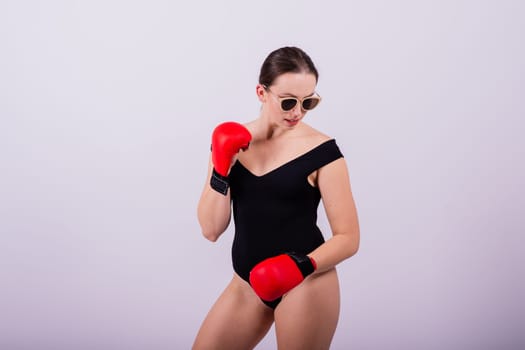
261 92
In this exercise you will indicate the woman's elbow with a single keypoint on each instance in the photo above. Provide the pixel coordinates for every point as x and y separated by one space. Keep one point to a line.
353 246
210 235
354 249
212 231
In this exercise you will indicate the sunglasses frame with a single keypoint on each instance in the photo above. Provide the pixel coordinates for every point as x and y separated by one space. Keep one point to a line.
314 96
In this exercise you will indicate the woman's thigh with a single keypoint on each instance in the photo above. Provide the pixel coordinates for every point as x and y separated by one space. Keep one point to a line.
307 316
237 320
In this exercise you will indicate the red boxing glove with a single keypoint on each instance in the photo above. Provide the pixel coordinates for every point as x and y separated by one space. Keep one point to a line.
273 277
227 140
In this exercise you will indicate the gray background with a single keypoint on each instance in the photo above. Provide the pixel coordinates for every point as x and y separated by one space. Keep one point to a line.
106 109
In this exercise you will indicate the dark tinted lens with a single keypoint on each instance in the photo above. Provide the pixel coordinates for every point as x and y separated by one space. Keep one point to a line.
310 103
288 104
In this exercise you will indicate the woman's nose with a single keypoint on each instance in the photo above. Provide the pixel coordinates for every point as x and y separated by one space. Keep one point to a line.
297 111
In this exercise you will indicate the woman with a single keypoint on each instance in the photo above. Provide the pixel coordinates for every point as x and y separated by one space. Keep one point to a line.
275 170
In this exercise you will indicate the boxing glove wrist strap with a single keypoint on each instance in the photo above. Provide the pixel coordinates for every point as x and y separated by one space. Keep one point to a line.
304 262
219 183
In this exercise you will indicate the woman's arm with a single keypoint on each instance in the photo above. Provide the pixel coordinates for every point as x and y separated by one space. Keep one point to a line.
214 210
334 184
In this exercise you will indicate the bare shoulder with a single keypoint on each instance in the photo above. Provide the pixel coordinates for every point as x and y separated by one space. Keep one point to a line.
314 137
250 124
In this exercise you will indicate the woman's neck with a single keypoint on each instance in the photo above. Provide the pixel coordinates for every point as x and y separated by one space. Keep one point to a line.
266 130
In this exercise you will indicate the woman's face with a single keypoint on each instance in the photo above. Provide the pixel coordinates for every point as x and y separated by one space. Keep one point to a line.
298 85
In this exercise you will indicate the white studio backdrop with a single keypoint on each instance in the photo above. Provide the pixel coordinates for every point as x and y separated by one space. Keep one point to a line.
106 111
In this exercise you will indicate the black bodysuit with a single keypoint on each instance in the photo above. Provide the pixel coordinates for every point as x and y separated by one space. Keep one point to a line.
277 212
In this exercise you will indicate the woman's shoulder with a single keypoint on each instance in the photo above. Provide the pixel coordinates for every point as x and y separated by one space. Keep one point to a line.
315 137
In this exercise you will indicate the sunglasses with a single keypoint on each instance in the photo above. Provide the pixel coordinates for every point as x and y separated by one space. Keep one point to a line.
289 103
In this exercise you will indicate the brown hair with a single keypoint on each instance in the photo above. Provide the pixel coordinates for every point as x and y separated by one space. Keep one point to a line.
287 59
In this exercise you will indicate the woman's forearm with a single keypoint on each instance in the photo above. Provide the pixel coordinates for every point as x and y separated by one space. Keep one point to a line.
213 211
335 250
